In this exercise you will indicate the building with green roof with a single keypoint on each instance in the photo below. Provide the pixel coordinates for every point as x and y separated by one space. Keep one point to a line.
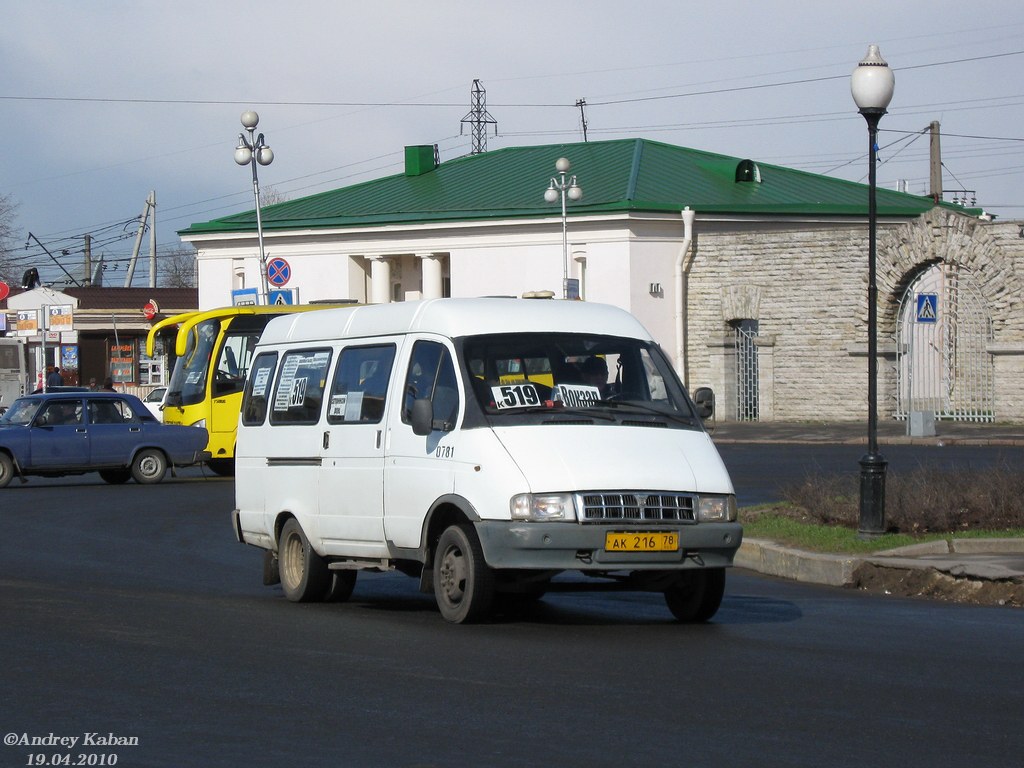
761 293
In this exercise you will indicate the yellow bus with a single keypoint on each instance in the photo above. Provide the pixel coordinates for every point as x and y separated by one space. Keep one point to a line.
213 349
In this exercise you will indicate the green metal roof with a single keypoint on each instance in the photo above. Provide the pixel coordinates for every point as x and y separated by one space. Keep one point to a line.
616 176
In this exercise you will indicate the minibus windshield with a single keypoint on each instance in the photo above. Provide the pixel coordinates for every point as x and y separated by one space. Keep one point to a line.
188 379
521 372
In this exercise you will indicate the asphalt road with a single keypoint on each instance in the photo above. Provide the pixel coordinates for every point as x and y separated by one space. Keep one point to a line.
132 611
760 471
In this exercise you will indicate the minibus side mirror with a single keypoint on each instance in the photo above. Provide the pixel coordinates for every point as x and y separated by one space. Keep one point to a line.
422 417
704 399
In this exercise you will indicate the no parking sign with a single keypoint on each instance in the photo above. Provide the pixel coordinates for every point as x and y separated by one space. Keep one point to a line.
278 272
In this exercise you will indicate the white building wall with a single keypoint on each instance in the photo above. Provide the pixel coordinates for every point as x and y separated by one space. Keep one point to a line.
804 281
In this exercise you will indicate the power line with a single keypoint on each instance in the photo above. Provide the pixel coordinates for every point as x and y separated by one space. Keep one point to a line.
802 81
434 105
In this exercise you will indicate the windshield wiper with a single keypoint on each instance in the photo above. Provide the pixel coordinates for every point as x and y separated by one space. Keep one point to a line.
644 408
561 410
589 412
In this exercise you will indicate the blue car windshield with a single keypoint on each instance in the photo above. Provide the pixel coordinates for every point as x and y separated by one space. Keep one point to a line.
20 412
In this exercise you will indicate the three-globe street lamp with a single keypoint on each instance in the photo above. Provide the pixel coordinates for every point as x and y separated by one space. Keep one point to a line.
250 152
561 187
872 85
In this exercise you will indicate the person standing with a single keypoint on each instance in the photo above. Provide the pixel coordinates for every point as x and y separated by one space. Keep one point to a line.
54 379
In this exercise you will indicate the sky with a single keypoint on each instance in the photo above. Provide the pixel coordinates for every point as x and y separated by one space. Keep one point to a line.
103 101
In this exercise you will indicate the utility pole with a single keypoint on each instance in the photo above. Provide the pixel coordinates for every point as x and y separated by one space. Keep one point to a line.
479 118
152 239
88 259
582 104
935 163
150 204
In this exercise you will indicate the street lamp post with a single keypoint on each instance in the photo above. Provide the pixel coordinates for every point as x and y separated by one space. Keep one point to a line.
872 86
561 186
253 151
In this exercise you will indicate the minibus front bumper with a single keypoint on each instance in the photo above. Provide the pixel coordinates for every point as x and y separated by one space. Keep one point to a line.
575 546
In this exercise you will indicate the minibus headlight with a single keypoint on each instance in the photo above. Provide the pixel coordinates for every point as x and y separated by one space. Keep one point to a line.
200 423
543 506
716 509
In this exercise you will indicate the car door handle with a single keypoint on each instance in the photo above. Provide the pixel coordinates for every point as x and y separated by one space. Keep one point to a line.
134 429
327 440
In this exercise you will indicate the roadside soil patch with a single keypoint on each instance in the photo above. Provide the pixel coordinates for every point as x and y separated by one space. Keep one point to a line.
936 585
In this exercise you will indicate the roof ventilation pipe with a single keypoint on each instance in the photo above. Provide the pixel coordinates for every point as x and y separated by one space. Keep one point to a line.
682 271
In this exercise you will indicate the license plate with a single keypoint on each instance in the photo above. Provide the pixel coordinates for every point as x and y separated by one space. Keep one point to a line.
642 541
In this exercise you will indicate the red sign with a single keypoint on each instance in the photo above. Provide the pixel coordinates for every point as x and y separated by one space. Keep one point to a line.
5 291
150 310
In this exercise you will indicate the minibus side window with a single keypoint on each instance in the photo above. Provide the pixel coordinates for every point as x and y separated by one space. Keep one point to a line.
230 371
257 389
360 385
431 375
301 382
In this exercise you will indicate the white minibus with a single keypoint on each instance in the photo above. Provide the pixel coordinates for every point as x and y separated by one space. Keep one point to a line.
496 449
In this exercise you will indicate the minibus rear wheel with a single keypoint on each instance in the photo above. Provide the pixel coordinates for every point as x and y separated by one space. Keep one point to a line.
696 595
304 574
463 583
340 586
222 467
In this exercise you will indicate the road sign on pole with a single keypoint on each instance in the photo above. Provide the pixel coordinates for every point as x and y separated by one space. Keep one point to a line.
243 297
281 297
279 272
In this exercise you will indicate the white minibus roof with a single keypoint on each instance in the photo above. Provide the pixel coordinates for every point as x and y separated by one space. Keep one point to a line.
455 317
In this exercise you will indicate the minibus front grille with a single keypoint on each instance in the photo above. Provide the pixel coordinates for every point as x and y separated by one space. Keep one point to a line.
635 507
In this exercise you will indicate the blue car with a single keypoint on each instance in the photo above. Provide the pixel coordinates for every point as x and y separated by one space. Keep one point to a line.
71 433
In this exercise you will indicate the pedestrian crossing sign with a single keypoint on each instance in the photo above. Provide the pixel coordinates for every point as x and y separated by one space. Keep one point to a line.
927 307
281 297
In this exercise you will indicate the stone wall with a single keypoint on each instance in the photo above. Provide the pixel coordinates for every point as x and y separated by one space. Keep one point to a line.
806 285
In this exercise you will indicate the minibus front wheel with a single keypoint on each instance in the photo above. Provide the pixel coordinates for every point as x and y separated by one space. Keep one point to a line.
696 595
463 582
304 574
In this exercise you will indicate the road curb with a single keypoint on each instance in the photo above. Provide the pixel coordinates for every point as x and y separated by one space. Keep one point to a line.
773 559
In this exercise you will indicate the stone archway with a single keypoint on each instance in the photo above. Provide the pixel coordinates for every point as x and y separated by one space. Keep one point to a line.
954 257
942 338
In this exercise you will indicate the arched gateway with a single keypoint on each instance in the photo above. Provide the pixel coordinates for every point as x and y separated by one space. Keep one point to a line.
942 336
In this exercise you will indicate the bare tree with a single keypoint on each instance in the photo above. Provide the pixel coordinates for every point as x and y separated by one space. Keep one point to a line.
270 196
178 268
8 211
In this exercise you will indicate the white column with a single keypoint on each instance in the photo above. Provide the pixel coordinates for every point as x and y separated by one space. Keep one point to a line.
580 257
432 264
380 280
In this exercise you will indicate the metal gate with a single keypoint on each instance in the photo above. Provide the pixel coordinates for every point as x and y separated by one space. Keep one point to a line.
943 364
746 369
